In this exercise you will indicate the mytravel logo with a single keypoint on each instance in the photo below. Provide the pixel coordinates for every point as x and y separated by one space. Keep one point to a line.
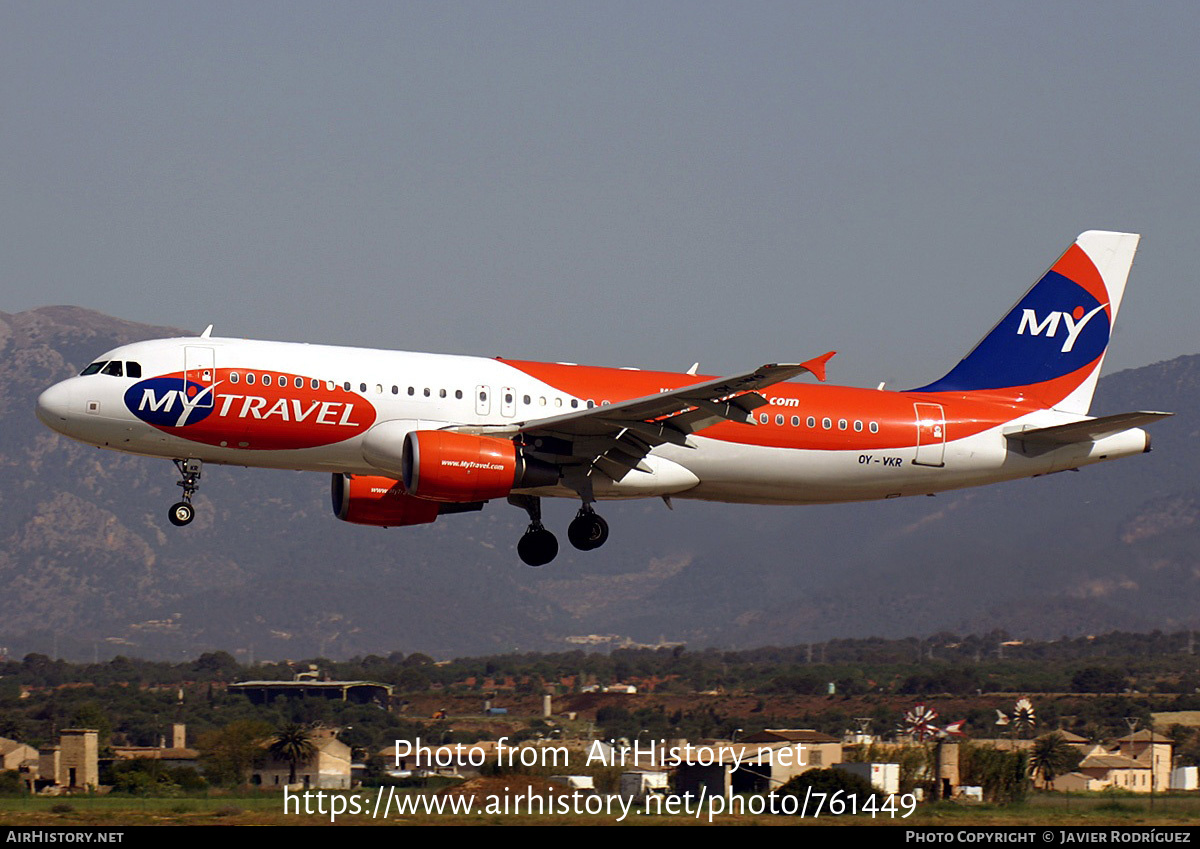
251 410
1073 322
169 401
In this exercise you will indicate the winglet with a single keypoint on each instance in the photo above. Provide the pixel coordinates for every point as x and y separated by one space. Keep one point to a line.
817 365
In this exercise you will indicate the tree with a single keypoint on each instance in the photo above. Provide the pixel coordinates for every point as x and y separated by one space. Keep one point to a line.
217 666
1003 774
1052 756
1098 679
293 744
230 753
855 791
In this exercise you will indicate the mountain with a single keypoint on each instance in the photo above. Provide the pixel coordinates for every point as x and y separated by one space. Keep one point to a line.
91 566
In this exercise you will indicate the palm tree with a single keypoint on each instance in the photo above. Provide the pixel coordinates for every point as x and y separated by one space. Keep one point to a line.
1052 756
293 744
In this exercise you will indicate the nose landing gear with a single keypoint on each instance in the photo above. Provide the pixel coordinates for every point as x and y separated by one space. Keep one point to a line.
182 512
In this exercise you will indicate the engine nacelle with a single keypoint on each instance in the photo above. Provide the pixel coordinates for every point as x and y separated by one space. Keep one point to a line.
369 500
446 466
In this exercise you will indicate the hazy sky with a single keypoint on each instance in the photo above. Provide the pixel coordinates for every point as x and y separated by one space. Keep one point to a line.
644 183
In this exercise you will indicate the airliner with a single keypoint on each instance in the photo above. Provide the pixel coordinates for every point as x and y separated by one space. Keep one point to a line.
409 437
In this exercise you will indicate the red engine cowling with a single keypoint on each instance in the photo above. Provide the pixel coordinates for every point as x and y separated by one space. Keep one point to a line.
368 500
446 466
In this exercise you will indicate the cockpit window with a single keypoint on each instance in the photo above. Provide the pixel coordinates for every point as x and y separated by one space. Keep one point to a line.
92 369
133 369
113 368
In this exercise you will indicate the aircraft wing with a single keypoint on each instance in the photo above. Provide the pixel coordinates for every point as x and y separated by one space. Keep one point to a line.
615 437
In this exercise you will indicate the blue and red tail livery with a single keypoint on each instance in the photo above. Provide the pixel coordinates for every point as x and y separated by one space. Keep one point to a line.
1052 343
411 437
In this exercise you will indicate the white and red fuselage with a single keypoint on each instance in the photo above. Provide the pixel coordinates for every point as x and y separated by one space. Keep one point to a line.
461 429
310 407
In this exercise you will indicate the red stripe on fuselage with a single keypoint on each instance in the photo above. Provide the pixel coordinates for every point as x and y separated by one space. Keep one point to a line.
272 417
966 415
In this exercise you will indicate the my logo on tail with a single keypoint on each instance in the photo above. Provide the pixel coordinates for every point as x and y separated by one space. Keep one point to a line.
1073 321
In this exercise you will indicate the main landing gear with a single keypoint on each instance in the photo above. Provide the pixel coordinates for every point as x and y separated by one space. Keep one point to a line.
538 546
587 530
182 512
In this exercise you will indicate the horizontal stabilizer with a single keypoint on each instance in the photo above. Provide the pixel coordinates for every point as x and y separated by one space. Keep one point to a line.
1088 430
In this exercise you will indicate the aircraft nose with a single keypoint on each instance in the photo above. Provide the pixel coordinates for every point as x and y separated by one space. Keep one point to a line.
54 406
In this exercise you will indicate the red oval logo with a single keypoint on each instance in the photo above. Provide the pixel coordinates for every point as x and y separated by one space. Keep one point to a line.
277 411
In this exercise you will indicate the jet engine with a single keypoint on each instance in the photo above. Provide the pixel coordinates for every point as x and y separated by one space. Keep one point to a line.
369 500
446 466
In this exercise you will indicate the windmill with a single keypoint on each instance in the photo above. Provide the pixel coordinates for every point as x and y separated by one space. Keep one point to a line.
954 729
918 722
1022 720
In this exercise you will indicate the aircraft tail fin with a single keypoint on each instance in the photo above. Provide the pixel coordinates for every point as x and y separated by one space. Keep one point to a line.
1051 345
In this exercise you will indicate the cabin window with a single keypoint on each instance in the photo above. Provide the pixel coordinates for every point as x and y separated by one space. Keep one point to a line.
395 389
827 423
314 384
874 427
441 393
857 426
574 403
590 403
362 387
778 418
842 424
558 402
426 391
508 397
526 400
812 422
233 377
542 401
795 421
764 418
458 394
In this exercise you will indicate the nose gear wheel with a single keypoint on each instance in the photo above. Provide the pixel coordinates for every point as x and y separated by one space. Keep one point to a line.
182 512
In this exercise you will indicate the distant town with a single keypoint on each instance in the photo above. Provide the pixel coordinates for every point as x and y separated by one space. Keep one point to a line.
944 717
